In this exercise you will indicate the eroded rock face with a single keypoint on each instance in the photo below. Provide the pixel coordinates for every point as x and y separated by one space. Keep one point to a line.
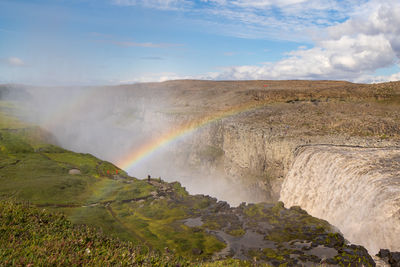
255 156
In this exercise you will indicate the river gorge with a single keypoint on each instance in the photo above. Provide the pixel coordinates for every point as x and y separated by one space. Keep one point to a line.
331 148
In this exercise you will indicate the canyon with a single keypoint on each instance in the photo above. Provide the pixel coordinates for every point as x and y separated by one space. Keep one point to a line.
330 147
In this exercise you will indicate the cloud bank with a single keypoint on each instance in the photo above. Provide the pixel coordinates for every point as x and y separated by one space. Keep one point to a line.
352 50
258 19
351 39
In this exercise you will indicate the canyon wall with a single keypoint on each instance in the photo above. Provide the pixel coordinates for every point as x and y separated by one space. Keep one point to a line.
257 157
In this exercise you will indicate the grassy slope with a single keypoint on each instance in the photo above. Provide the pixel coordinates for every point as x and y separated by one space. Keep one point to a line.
31 170
35 236
32 236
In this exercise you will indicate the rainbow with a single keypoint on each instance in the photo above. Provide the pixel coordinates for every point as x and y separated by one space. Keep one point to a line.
147 149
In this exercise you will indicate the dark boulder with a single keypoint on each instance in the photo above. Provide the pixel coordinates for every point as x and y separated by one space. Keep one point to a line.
393 258
383 253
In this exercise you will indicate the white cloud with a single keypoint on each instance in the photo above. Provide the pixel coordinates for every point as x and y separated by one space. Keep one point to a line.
155 77
367 40
13 61
107 38
259 19
352 50
293 20
159 4
389 78
266 3
137 44
148 44
378 79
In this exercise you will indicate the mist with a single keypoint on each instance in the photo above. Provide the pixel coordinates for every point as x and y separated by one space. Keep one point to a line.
112 122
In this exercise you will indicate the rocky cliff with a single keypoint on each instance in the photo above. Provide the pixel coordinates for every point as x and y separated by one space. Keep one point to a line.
257 149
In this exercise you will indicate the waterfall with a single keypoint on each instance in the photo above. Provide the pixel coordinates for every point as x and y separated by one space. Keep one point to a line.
355 189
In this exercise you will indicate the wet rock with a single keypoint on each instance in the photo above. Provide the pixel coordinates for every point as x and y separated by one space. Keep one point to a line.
349 253
394 259
193 222
221 206
323 252
330 261
383 253
298 209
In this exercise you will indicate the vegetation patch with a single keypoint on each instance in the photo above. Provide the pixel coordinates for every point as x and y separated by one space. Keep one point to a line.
31 236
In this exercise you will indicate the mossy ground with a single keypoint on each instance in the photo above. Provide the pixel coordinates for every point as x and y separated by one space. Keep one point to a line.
36 237
291 224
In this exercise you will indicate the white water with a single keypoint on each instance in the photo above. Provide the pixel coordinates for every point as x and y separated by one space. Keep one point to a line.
355 189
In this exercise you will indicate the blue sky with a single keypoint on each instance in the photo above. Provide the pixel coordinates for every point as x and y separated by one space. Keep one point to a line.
124 41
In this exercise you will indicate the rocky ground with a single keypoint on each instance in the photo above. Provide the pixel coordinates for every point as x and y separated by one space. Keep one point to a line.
260 233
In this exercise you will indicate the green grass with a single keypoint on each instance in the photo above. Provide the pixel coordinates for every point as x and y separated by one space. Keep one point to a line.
100 218
31 236
108 190
37 179
8 121
237 232
159 223
38 237
293 223
43 180
13 143
87 163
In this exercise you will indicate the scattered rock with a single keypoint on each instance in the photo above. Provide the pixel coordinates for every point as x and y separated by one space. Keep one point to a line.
74 171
